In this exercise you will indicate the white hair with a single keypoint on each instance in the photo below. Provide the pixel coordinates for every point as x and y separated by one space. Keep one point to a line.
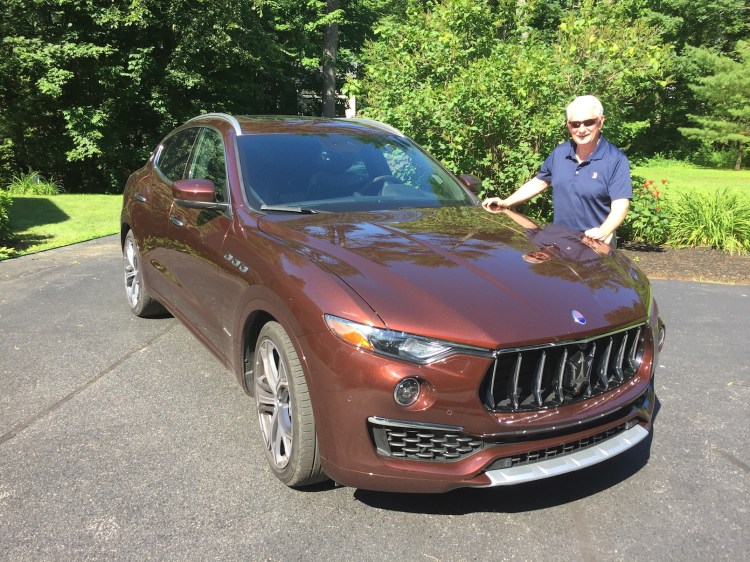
586 102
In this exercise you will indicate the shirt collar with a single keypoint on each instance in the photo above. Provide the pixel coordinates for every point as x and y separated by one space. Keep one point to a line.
598 154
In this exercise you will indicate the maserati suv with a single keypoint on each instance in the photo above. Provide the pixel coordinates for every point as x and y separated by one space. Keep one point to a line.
391 334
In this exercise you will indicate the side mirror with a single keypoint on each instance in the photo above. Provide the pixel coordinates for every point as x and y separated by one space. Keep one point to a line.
473 183
197 194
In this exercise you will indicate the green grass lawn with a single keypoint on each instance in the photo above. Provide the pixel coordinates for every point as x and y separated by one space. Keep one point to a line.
44 222
682 177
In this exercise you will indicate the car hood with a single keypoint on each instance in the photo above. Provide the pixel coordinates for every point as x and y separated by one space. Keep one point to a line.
464 274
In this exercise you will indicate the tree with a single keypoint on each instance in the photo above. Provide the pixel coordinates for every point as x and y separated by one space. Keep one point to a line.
483 84
725 93
715 24
88 88
330 49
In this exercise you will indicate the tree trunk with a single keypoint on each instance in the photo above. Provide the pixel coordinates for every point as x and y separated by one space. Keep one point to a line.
330 49
738 163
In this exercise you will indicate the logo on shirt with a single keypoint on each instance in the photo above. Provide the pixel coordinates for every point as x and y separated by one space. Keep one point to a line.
593 176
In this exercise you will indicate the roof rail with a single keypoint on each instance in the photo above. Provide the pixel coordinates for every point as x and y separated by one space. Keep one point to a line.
378 124
232 121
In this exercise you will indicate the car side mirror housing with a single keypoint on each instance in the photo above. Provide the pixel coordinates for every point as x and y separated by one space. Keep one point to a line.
197 194
471 182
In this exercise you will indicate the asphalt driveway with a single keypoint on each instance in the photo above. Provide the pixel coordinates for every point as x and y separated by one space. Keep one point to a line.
123 438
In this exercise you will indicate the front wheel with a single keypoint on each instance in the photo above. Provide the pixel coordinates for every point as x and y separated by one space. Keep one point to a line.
285 413
139 299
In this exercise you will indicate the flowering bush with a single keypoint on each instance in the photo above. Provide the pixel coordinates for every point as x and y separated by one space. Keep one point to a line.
648 219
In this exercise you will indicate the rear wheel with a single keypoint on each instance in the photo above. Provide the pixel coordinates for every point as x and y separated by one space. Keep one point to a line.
139 299
285 413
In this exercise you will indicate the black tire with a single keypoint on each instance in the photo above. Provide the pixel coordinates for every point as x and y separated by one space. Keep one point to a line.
285 415
139 299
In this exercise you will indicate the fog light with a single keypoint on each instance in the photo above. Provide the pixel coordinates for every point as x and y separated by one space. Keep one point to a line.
406 392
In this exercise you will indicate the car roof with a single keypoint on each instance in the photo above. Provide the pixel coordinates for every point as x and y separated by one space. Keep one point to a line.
296 124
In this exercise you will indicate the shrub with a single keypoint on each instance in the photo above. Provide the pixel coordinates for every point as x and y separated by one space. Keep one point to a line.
709 156
647 220
32 183
721 221
6 253
5 203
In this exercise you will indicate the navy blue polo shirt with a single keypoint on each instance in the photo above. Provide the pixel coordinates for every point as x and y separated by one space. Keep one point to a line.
582 193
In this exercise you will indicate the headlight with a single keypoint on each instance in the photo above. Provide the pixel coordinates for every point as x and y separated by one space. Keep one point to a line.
395 344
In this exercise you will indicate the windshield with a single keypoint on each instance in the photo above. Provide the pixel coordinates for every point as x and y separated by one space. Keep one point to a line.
344 172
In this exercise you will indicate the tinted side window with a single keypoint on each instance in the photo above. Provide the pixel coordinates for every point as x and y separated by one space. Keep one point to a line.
208 162
175 154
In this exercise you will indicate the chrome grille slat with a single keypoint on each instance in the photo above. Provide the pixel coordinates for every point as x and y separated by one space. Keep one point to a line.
603 370
590 368
513 389
559 380
634 349
538 379
621 358
547 376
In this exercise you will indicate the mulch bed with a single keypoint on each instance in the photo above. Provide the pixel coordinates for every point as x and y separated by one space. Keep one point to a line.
690 264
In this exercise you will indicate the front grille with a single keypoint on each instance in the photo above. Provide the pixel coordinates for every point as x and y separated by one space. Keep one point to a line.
560 450
552 375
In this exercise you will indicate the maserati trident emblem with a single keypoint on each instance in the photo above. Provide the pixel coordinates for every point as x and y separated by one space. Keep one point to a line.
578 317
577 373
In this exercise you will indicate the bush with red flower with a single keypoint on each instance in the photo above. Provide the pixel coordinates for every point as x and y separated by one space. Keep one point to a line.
647 221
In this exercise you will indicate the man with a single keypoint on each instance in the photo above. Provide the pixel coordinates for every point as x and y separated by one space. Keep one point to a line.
590 177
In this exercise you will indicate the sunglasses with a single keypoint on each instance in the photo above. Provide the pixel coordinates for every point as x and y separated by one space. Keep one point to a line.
586 123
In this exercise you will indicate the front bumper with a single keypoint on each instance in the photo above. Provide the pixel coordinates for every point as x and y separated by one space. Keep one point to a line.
568 463
516 462
353 394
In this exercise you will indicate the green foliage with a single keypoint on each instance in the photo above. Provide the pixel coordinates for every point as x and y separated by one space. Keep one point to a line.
717 156
88 88
721 221
726 93
7 253
648 219
717 24
485 91
5 233
32 183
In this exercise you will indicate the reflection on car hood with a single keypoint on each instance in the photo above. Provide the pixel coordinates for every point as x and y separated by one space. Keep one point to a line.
464 274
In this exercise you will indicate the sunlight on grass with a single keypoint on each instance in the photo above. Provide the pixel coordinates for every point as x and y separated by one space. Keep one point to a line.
686 178
40 223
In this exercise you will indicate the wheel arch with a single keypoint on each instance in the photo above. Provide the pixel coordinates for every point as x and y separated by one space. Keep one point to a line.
124 229
253 325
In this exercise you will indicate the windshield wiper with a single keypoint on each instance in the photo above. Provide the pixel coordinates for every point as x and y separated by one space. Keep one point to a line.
285 209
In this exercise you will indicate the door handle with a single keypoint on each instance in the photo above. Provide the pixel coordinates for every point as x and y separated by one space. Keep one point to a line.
175 221
140 197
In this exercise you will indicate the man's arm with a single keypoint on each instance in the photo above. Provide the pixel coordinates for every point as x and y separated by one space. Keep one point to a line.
530 189
617 213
